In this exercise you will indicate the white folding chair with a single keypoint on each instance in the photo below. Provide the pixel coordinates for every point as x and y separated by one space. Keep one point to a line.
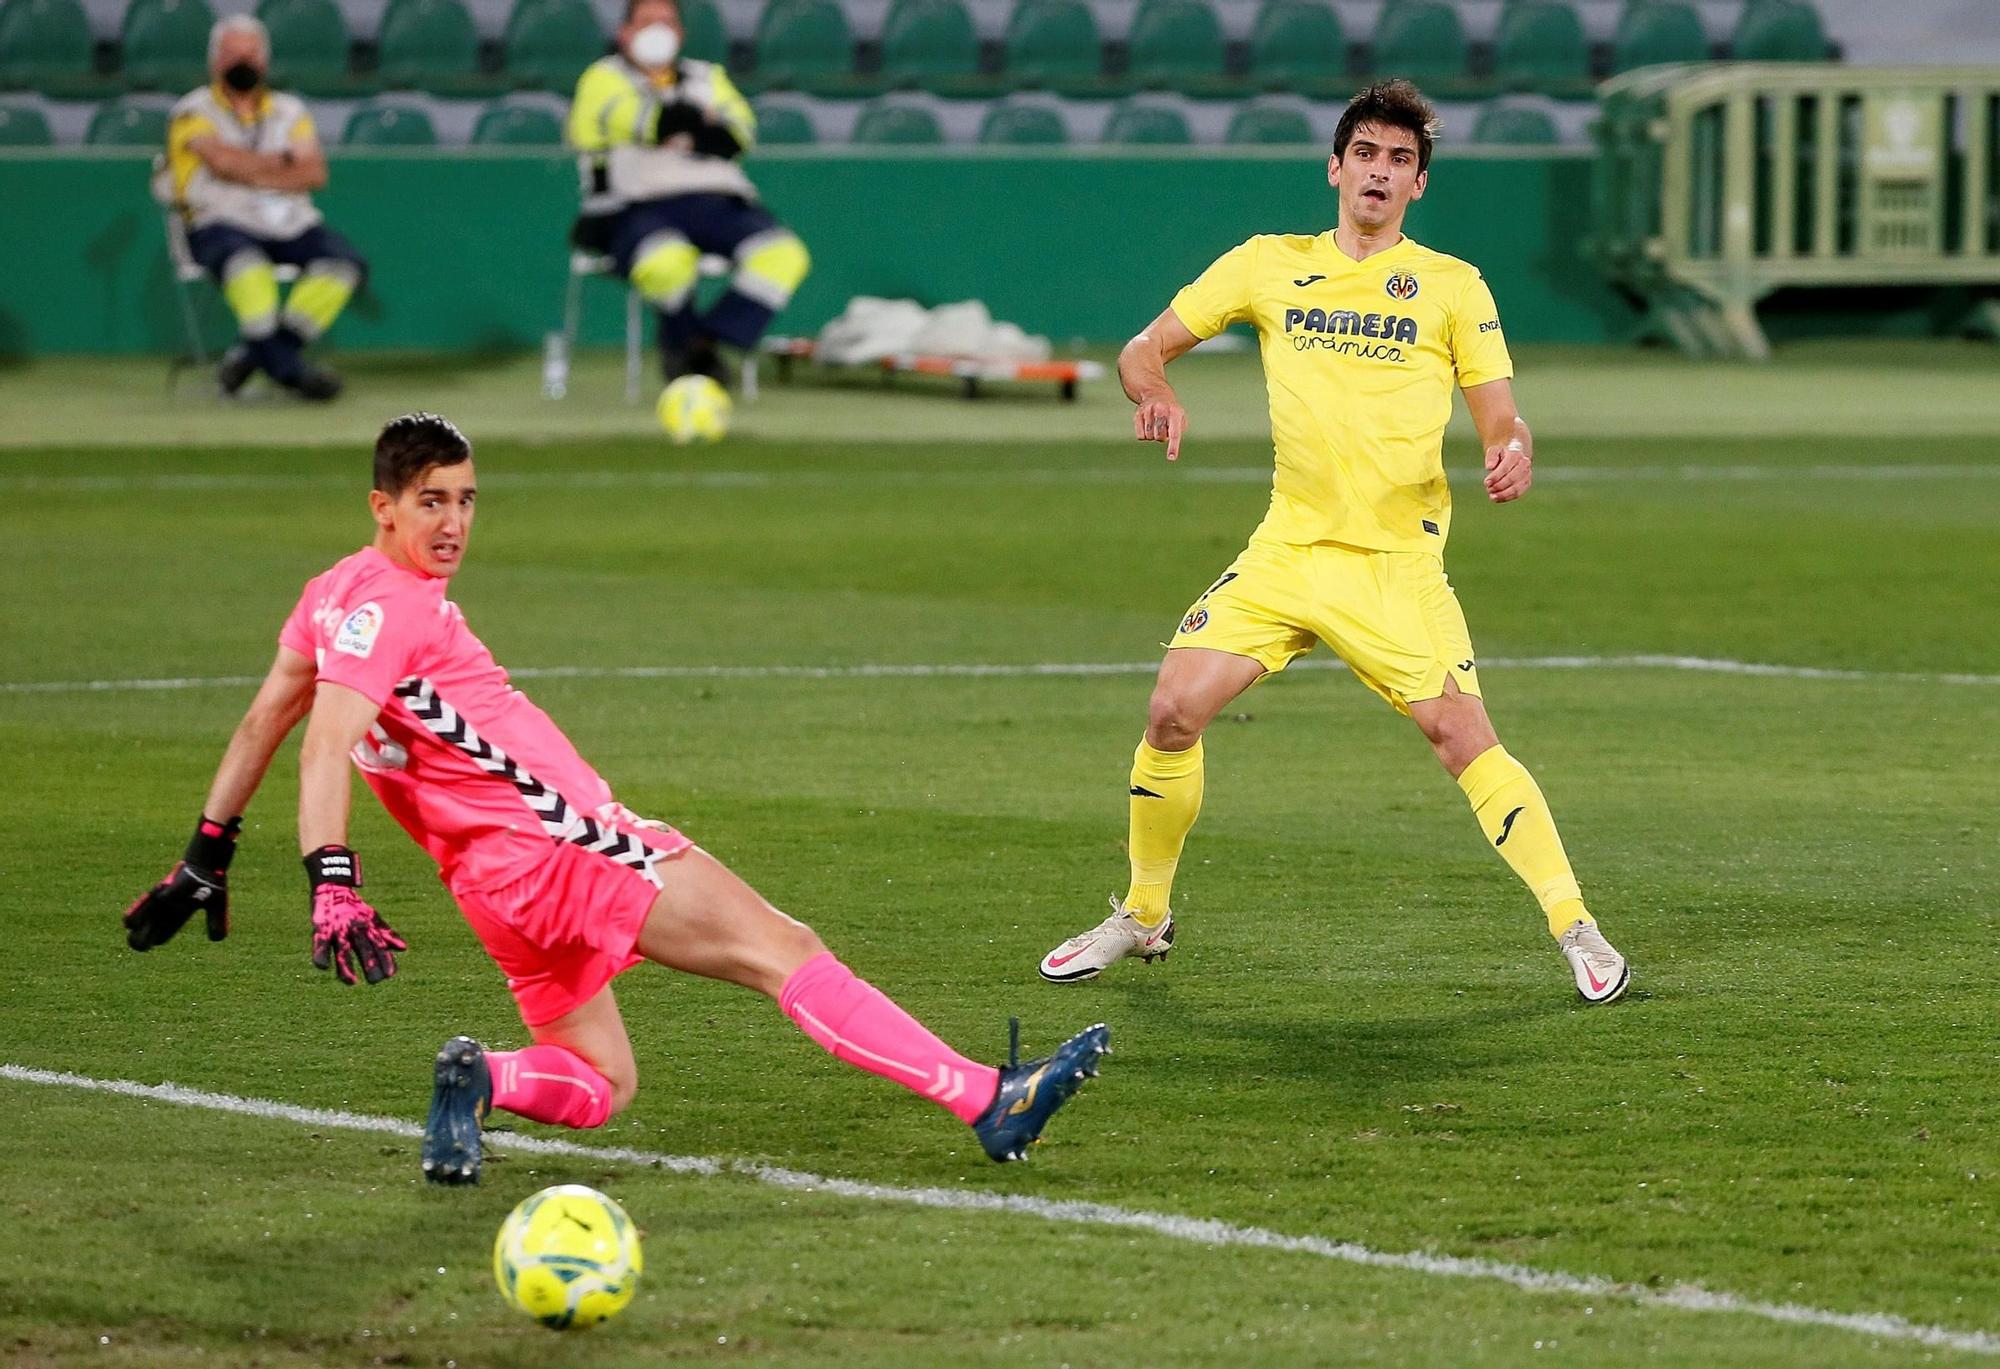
559 348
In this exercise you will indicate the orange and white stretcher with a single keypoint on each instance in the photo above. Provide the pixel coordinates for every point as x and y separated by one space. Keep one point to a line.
969 371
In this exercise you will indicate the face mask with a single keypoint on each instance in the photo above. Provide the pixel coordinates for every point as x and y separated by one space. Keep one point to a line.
242 76
655 45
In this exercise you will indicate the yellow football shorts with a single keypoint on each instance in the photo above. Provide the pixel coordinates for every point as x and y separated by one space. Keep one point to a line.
1391 615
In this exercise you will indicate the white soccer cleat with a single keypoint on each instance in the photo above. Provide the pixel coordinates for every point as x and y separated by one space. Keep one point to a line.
1085 957
1601 973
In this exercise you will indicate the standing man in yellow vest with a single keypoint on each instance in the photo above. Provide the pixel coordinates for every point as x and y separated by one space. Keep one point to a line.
661 137
244 160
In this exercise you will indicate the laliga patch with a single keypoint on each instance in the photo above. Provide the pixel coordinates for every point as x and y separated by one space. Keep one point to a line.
358 630
1195 621
1402 285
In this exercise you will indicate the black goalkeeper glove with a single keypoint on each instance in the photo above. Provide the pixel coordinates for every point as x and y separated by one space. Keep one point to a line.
201 880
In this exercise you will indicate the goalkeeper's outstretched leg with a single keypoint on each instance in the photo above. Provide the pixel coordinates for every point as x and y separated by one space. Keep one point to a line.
707 921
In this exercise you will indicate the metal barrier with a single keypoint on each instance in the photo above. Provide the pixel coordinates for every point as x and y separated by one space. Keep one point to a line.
1716 185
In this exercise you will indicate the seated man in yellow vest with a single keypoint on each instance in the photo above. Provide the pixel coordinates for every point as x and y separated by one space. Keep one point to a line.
660 137
244 160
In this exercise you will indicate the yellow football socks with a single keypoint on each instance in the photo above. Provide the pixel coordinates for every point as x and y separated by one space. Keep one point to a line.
1516 819
1166 798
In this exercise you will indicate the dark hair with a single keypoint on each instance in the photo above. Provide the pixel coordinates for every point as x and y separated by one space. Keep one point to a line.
631 5
1391 104
414 443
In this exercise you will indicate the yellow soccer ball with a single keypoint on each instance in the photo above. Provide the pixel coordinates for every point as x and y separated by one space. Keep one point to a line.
568 1257
695 409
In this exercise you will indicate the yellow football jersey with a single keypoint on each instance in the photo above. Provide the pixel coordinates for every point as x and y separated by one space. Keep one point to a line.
1359 360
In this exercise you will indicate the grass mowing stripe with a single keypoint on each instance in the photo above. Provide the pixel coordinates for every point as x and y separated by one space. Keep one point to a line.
1195 1230
1143 473
1032 669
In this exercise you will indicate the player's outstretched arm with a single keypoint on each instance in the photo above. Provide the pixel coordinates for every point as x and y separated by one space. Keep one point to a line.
1142 370
1510 448
347 935
201 879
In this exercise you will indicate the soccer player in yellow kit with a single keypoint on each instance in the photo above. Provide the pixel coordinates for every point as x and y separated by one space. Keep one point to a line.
1363 333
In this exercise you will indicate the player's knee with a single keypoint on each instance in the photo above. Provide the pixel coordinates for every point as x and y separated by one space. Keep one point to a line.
665 269
624 1088
799 943
1458 730
1173 722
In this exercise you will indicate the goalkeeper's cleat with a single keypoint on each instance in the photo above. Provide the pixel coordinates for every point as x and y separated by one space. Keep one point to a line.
1601 973
1030 1094
1086 956
459 1104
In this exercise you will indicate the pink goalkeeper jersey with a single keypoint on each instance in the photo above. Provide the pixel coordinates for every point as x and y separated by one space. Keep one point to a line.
476 774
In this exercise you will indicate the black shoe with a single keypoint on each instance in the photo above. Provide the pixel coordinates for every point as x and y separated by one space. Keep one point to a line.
238 365
696 359
315 382
704 360
460 1099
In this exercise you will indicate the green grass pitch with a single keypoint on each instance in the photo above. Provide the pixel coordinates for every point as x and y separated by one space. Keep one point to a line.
1364 1035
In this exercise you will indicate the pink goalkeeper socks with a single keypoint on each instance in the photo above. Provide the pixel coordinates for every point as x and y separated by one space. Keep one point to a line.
550 1084
857 1023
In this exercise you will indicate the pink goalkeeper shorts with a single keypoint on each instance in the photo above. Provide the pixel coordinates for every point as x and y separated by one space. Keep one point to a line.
563 932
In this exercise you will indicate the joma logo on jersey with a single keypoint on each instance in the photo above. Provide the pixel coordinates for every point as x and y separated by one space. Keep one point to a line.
1402 285
1390 327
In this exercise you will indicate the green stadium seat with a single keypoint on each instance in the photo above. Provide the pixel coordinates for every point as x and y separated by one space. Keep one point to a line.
784 126
309 43
1174 45
1146 124
705 39
1778 31
118 123
165 44
1518 127
1540 47
1269 124
886 122
426 45
22 126
517 126
1298 45
1419 39
1656 33
1053 43
44 44
1013 125
804 44
548 43
929 44
388 126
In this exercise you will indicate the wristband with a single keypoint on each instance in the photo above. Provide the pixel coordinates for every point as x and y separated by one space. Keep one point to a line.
333 865
213 845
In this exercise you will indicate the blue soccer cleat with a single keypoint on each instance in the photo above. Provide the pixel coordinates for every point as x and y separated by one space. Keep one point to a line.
459 1104
1030 1094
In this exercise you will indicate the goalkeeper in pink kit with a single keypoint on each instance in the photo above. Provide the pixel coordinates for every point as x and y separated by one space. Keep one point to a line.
564 887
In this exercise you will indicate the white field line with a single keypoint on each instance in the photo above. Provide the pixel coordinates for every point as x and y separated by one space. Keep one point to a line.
1141 472
1034 669
1194 1230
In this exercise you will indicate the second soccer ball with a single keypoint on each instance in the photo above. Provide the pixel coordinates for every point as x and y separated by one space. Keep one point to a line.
695 409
